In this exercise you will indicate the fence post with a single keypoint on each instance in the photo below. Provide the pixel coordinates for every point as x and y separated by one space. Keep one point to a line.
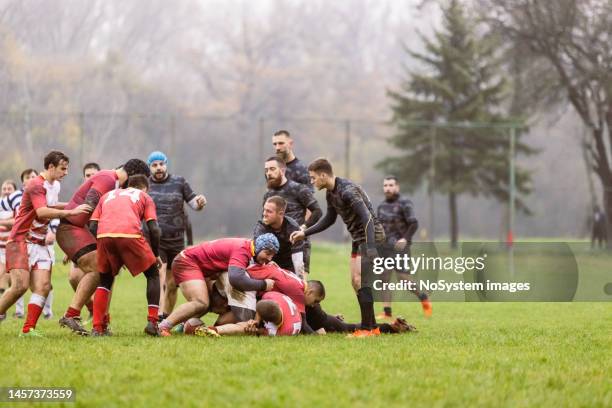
432 175
347 149
512 186
82 138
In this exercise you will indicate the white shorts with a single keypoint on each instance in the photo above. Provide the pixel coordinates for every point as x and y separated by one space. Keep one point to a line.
39 256
245 300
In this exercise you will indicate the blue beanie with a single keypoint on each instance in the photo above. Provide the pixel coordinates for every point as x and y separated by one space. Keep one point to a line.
266 241
157 156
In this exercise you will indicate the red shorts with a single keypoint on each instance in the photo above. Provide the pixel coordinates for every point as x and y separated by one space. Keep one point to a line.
17 255
75 241
134 253
185 269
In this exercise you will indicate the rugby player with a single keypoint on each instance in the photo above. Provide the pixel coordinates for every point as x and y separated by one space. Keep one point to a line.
296 170
350 201
79 244
27 257
301 205
7 219
397 216
170 192
11 203
76 274
209 260
322 323
116 222
278 315
275 221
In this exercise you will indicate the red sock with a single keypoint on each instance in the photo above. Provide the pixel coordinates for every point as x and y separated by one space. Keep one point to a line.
100 307
72 312
89 306
153 311
35 308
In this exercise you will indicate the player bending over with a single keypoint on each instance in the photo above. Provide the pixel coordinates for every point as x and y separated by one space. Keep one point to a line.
348 200
116 222
79 244
210 259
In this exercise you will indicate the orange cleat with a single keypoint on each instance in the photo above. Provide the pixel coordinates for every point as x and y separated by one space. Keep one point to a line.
427 309
163 332
364 333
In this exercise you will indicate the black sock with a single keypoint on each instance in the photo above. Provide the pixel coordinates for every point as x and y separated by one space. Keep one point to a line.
162 316
422 296
366 304
388 311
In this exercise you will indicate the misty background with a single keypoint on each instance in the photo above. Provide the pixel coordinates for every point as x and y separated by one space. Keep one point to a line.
208 82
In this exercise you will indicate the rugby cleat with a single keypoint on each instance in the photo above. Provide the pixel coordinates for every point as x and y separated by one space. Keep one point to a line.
203 331
105 333
152 329
74 324
164 332
364 333
400 325
31 333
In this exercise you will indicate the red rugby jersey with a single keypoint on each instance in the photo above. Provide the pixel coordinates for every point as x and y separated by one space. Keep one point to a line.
292 321
285 282
120 213
97 185
38 193
217 256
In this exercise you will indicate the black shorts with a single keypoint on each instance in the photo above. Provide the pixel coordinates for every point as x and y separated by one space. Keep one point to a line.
306 252
167 255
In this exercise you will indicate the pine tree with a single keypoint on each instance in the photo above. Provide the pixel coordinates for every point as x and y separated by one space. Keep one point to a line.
462 83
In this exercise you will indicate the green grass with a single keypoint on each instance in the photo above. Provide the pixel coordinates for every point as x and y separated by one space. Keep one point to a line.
467 354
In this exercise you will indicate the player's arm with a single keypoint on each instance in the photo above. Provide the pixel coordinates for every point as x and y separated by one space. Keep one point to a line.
324 222
48 213
154 236
60 206
240 280
297 251
308 200
195 201
93 220
411 220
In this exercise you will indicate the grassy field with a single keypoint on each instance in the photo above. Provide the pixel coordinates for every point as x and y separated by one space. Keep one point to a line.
467 354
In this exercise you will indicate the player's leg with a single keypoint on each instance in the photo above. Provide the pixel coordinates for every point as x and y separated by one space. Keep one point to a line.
163 271
101 303
20 308
48 308
4 277
75 276
196 294
40 285
18 265
423 297
365 297
20 282
153 284
79 245
170 294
